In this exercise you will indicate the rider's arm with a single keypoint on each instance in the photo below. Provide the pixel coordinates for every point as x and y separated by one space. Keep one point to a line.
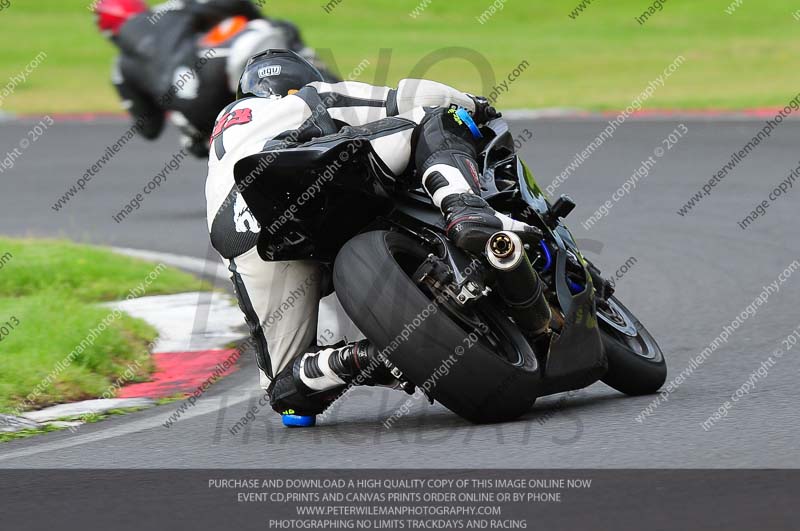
413 93
146 114
356 103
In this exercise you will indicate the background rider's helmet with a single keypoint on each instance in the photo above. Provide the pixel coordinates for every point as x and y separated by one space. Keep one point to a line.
275 73
112 14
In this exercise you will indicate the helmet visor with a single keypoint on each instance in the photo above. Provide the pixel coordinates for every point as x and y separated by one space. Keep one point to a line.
254 84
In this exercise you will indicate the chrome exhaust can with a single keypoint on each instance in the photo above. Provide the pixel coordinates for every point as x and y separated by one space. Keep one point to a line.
518 284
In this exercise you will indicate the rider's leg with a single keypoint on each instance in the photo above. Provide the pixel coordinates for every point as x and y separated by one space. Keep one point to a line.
280 301
446 157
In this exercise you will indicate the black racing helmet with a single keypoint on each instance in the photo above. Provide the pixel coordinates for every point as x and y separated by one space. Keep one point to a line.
275 73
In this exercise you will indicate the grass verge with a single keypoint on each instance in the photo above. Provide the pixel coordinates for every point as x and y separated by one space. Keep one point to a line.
58 344
599 58
24 434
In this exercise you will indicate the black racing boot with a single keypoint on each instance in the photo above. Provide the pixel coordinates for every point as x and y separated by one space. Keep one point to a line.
315 380
471 221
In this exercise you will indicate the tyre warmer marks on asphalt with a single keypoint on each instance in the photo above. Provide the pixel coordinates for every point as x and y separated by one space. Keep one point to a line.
183 373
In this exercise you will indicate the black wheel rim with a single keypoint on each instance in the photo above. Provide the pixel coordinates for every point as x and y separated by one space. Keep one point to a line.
471 317
618 323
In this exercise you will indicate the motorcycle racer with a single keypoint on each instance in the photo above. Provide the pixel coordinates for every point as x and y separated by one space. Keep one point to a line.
185 57
284 103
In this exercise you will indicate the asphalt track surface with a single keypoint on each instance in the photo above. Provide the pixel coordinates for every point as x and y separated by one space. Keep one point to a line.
692 276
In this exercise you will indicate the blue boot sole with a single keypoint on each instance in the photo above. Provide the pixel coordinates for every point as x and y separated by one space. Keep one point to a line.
299 421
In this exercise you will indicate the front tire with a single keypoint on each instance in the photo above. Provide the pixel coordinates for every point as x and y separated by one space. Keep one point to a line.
636 364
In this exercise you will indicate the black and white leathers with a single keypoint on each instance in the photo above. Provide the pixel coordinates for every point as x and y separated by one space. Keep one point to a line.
384 116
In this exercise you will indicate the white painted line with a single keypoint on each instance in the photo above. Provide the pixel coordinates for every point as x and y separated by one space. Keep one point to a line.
86 407
203 407
545 113
194 265
13 424
189 321
538 114
580 115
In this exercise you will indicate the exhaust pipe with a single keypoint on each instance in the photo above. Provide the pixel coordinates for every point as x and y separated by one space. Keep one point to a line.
520 287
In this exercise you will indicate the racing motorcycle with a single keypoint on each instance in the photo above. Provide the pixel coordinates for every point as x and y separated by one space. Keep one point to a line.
483 335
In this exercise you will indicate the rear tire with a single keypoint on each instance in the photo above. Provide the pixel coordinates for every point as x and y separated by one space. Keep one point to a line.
372 276
636 365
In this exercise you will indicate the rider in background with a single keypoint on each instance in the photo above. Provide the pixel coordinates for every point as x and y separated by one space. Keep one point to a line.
184 57
412 128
